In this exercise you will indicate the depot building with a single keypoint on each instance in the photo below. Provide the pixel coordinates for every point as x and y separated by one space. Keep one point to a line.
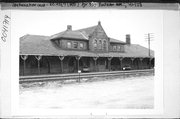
88 49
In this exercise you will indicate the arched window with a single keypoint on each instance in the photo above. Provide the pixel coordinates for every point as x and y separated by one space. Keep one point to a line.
100 44
104 45
95 43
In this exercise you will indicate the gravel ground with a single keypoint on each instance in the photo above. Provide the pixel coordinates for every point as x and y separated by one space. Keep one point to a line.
108 93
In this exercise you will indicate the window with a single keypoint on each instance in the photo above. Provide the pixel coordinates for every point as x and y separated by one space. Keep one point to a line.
75 45
95 44
100 44
118 47
81 45
114 48
104 45
68 44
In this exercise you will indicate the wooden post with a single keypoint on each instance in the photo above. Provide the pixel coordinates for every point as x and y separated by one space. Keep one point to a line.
48 65
38 59
61 59
95 64
109 63
95 59
120 59
78 58
150 62
61 66
141 59
24 57
153 63
132 59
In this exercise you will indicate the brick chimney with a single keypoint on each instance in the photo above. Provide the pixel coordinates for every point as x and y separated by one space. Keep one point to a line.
99 22
69 27
128 39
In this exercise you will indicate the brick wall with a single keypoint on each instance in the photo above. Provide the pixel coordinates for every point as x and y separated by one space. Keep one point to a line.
98 35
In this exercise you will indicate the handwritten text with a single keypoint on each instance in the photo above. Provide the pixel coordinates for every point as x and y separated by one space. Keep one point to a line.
6 23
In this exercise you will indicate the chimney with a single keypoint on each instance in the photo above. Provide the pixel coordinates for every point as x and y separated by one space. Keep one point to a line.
99 22
69 27
128 39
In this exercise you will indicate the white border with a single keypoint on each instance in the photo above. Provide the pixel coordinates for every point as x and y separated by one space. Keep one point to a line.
171 75
5 66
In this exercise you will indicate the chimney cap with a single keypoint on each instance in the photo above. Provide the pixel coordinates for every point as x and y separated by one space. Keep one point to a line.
69 27
127 35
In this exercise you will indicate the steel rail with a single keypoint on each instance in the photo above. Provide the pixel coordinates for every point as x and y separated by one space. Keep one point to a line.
54 77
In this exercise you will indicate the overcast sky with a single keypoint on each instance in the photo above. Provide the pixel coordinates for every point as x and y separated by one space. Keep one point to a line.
116 23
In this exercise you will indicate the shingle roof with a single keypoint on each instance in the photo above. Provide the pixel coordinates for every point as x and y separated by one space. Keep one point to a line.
89 30
137 50
82 34
116 41
41 45
70 34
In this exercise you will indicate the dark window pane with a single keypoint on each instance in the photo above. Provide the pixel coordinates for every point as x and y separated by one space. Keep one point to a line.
75 44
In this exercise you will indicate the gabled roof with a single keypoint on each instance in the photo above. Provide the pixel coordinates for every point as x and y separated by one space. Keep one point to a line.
41 45
82 34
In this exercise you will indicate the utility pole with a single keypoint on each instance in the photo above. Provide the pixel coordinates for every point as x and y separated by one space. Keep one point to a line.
149 37
149 45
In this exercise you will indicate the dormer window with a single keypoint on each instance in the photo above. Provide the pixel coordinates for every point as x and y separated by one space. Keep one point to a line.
75 45
118 48
104 44
68 44
81 45
114 48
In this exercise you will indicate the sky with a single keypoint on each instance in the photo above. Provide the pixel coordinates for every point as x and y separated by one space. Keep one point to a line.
116 23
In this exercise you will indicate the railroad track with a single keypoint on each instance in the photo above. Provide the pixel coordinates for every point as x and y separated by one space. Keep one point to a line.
77 76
